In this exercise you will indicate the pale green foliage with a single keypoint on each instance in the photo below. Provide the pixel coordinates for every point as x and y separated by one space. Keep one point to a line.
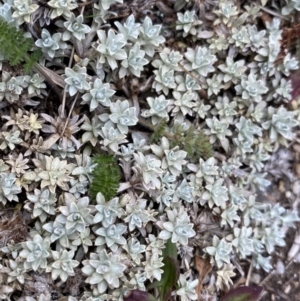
135 250
137 215
230 215
253 210
250 88
122 115
53 172
220 251
44 203
11 87
76 215
281 124
103 270
129 29
178 227
256 37
262 262
75 28
184 103
217 129
214 84
149 167
207 170
92 128
190 114
35 252
112 136
50 44
60 234
150 36
134 63
200 60
76 80
63 265
84 240
85 167
290 6
6 11
153 266
172 159
8 188
107 211
62 7
23 10
111 236
159 107
187 22
186 289
168 58
247 129
224 276
186 83
240 37
233 70
242 242
36 85
10 140
215 194
18 272
227 11
164 80
110 47
225 108
184 191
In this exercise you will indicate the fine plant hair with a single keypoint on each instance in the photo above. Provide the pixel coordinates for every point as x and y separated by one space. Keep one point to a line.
193 141
106 177
16 48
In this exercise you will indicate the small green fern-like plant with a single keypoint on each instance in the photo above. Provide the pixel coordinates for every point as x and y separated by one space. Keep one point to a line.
106 177
15 47
158 131
193 141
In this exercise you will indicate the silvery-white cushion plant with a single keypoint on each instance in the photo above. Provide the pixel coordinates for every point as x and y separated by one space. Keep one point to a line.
137 87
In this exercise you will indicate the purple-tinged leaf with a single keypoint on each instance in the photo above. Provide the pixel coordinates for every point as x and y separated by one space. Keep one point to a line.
243 293
138 295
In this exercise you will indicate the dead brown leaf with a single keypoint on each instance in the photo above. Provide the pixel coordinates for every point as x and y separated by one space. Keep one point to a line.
51 75
50 141
203 267
12 229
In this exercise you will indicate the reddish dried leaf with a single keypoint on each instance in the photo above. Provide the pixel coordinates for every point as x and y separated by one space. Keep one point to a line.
138 295
203 267
12 229
295 79
243 293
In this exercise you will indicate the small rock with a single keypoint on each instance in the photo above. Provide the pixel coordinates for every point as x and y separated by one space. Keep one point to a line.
288 194
296 187
297 169
287 289
281 186
295 248
280 268
297 258
255 278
